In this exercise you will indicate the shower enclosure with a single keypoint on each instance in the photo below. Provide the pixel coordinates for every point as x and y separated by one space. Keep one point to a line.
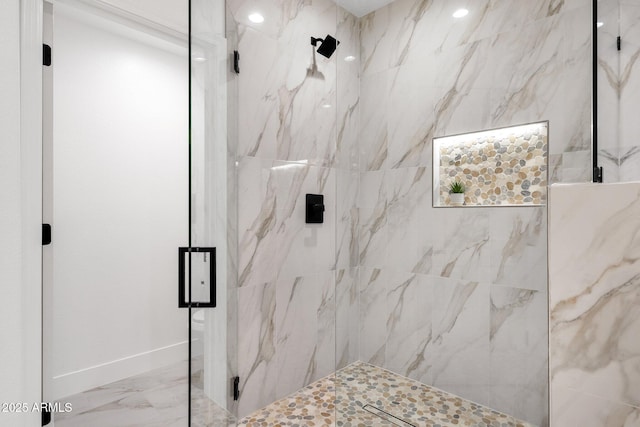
618 80
236 302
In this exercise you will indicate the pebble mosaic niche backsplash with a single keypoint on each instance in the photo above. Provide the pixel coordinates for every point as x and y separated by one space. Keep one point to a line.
506 166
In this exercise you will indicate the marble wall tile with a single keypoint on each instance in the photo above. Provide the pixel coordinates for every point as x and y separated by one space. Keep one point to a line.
460 337
257 221
594 299
257 359
274 239
462 247
373 289
347 316
608 89
297 133
518 365
506 63
258 94
287 335
288 115
296 332
348 113
399 33
291 24
409 243
570 108
394 208
518 320
304 248
629 81
373 215
348 91
464 94
307 121
395 321
601 412
373 136
346 211
326 354
375 43
518 247
410 302
629 163
519 386
539 53
618 81
464 109
541 85
415 286
316 17
411 125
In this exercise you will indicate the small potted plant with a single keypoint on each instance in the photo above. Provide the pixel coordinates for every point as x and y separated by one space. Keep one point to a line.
456 193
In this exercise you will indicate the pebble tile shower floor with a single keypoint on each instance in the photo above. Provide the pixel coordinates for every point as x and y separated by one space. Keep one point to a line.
158 399
360 384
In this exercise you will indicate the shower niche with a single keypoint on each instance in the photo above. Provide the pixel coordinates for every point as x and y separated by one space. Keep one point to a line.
504 166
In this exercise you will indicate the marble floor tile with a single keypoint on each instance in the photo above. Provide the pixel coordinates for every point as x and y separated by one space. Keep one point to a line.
157 398
338 400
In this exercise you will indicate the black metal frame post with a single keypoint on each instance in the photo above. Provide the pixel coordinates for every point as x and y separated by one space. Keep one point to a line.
597 170
189 196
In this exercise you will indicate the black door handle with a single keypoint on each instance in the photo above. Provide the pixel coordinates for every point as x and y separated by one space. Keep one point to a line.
185 259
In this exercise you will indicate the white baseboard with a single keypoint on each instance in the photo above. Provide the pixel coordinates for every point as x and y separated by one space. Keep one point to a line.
85 379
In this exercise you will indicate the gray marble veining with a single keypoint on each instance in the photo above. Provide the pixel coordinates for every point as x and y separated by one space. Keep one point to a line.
436 296
157 398
618 82
594 298
443 293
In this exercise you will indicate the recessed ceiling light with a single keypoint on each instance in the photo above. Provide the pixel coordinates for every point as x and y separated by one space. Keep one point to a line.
256 18
460 13
599 24
326 105
199 58
350 58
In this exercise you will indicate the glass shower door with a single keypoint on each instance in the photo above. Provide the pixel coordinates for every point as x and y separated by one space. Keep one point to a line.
204 261
115 192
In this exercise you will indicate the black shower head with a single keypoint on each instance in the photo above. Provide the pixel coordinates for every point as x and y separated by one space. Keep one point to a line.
327 47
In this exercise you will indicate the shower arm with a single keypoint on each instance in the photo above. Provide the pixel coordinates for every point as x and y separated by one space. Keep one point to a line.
314 41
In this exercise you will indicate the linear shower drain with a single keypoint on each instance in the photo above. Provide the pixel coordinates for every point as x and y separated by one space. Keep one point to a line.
387 416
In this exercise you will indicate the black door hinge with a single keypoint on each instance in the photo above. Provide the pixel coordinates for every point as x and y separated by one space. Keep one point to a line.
46 55
46 234
597 174
236 388
236 61
619 42
46 417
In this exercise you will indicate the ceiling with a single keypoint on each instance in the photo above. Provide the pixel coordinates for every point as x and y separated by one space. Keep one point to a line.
362 7
172 14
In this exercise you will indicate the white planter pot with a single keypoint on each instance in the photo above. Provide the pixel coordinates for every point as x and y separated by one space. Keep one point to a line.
457 199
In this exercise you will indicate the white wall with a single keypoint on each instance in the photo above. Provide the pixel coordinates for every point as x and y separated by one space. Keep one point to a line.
20 39
120 203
